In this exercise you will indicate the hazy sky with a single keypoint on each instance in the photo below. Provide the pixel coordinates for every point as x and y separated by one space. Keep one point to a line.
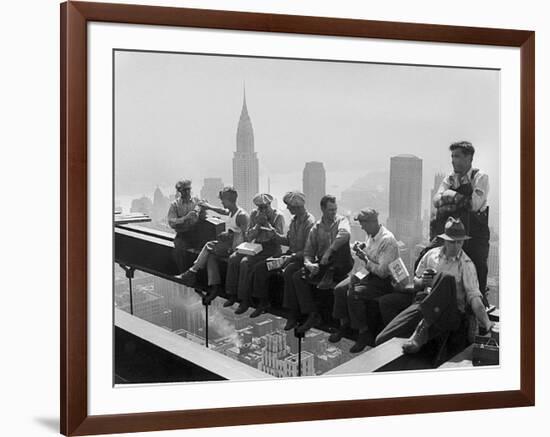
176 116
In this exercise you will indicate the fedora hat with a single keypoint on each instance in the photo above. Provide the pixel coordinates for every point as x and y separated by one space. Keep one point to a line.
454 230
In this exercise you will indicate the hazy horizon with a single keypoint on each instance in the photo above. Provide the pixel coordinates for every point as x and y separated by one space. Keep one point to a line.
174 113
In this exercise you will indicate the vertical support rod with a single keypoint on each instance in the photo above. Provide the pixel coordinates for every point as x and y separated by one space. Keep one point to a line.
206 323
131 296
299 356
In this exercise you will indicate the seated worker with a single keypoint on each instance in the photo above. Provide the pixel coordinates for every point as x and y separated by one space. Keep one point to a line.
226 243
327 260
182 216
298 231
265 223
356 301
444 299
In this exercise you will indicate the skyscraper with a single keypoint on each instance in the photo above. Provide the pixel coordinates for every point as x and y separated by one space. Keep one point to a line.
405 220
314 186
211 189
245 161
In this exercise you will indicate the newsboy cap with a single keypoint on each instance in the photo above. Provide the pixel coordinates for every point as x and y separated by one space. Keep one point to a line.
294 198
366 214
183 183
262 199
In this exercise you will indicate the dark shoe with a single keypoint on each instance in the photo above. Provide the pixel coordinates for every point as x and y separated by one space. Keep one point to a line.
243 308
229 302
362 342
335 337
312 320
187 278
418 339
259 311
327 282
211 295
291 323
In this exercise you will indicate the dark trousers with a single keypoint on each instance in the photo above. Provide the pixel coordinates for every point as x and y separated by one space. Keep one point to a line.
184 259
290 299
478 251
238 281
439 309
304 289
261 277
358 302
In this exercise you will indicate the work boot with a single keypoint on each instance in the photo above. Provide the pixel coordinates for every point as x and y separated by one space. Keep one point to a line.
291 322
211 295
188 278
363 340
327 282
242 308
342 331
262 308
312 320
230 301
418 339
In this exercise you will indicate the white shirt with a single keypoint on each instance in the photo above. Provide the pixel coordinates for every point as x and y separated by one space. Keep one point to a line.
381 250
460 266
480 185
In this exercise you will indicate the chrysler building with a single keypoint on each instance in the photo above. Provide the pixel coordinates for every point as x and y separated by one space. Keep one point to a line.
245 161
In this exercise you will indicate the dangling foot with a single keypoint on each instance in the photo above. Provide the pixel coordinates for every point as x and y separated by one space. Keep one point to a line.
327 282
418 339
230 301
262 308
342 331
242 308
187 278
211 295
312 320
363 340
291 322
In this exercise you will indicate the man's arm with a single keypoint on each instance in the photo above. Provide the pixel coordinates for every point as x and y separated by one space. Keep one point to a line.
480 192
184 222
310 248
252 230
342 237
473 295
445 185
299 255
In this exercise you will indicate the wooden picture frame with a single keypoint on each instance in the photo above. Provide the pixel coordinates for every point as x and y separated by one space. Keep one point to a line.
75 419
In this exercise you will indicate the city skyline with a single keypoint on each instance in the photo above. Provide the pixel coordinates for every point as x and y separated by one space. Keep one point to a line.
343 124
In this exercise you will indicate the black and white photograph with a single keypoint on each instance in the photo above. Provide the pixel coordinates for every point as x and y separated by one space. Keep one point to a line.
281 218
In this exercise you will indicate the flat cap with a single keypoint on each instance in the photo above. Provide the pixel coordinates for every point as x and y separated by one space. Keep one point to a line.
262 199
367 214
183 183
294 198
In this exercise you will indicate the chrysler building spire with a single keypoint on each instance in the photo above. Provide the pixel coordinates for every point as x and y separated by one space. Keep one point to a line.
245 160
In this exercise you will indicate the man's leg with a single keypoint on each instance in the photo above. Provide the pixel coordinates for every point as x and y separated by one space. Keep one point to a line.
180 253
402 325
478 251
232 278
439 311
340 310
392 304
260 281
306 301
363 305
290 300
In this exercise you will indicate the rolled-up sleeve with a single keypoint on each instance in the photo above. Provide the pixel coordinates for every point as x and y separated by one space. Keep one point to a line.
311 245
469 279
342 236
480 191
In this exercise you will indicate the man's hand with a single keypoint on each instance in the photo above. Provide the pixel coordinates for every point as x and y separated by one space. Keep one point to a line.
427 279
312 268
326 258
205 205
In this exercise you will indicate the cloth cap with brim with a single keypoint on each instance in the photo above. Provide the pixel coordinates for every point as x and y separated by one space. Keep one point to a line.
294 198
366 214
184 183
262 199
454 230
